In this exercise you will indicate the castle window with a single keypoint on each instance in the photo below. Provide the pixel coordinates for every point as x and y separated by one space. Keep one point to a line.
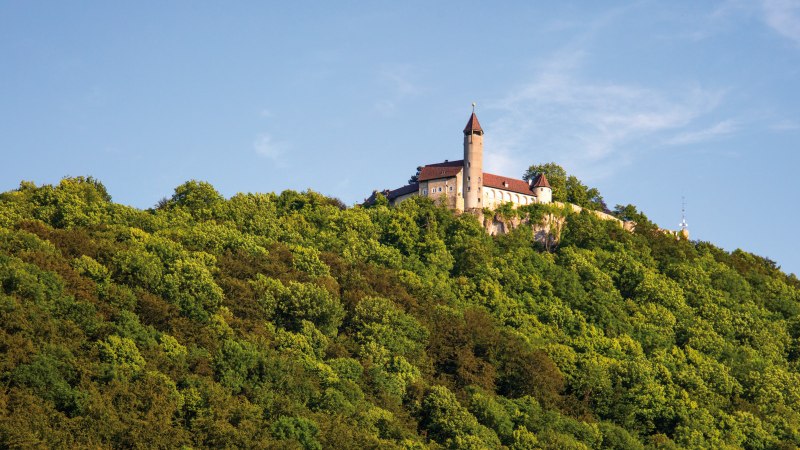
424 192
451 188
440 189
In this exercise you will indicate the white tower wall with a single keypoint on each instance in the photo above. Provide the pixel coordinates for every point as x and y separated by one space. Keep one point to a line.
543 194
473 170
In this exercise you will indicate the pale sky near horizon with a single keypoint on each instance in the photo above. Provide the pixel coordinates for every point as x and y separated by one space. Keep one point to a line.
648 101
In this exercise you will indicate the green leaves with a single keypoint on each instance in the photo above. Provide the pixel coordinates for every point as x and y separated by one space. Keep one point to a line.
298 429
191 286
52 376
378 320
197 197
138 268
120 357
290 305
288 320
451 424
566 188
556 176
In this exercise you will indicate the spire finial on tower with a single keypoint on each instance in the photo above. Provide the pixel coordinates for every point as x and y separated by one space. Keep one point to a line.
473 127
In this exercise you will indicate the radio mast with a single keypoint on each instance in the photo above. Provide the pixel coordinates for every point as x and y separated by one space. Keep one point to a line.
684 226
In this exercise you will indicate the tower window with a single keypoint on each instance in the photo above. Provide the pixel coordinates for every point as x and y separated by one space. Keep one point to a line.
424 192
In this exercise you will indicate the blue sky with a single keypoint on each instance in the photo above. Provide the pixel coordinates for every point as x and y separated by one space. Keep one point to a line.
648 101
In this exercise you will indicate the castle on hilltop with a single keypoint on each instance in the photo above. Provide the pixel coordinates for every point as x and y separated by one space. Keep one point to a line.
463 185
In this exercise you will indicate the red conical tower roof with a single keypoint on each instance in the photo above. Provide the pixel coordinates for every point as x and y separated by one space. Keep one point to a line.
541 181
473 126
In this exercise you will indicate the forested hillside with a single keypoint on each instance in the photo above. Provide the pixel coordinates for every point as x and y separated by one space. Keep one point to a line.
291 321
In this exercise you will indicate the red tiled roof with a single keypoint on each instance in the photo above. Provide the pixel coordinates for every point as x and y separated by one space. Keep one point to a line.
506 184
541 181
447 169
473 126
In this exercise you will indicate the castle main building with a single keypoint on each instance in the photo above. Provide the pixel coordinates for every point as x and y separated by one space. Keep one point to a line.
464 186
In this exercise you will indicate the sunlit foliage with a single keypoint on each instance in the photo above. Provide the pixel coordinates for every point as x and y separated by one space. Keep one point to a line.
289 321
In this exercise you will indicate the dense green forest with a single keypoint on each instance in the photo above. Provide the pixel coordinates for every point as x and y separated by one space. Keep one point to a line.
291 321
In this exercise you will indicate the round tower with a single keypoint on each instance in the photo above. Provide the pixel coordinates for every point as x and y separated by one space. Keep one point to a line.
541 189
473 164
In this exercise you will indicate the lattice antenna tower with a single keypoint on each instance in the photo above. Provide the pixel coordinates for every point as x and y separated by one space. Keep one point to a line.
684 226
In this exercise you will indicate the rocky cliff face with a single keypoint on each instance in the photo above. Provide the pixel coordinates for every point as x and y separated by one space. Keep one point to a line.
546 231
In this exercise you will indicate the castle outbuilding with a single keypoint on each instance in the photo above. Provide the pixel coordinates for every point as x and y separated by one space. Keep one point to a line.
463 185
